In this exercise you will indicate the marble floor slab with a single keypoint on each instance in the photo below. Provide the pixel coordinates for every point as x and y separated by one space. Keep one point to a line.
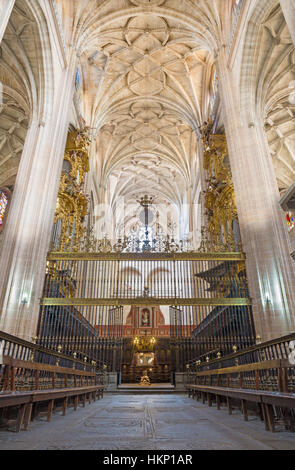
147 422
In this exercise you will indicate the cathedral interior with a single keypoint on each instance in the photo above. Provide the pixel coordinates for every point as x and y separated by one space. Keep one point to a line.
147 224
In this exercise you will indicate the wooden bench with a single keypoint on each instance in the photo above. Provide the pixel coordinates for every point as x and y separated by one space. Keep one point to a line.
266 400
47 384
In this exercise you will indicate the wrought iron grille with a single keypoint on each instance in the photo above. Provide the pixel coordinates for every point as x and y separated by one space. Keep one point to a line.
92 333
84 295
167 279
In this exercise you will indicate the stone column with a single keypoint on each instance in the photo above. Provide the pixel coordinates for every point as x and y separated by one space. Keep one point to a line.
193 219
30 219
264 235
183 216
288 8
5 12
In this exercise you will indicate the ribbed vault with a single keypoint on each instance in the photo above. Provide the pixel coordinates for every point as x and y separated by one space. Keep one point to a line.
266 84
147 68
24 76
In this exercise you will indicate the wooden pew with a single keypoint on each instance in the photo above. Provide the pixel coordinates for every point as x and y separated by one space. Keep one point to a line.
266 400
47 384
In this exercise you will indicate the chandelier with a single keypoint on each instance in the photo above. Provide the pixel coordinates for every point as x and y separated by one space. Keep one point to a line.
144 343
145 201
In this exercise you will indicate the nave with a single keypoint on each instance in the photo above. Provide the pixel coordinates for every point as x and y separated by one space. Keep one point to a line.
148 422
147 224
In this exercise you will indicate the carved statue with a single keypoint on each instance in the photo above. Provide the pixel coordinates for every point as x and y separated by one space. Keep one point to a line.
144 379
145 317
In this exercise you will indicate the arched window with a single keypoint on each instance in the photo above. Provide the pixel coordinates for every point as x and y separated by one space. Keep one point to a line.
290 220
78 79
214 93
3 206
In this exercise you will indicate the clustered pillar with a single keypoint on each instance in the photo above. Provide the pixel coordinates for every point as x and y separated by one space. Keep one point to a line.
288 8
264 234
5 12
30 219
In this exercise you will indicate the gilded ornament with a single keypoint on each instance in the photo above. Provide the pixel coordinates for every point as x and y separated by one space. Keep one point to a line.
219 198
71 207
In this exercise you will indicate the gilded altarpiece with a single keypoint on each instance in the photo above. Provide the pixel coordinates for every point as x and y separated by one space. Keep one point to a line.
72 202
219 198
146 346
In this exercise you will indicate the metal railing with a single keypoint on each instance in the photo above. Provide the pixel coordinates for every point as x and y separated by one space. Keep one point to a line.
84 294
118 278
19 349
276 349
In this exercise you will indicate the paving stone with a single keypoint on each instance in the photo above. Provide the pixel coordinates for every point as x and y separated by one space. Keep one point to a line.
147 422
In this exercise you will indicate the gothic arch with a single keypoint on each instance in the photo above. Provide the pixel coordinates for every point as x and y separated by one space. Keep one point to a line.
267 69
26 74
8 193
252 91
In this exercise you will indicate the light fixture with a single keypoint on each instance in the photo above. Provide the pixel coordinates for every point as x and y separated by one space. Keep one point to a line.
145 201
24 299
267 298
144 343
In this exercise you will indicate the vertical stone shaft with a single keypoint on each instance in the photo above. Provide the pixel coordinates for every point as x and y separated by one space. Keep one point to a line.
288 8
264 234
5 12
30 219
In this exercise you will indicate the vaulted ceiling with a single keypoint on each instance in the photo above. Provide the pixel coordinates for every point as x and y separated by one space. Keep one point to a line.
148 68
148 82
274 77
21 80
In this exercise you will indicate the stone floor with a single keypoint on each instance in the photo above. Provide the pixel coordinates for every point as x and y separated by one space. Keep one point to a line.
147 422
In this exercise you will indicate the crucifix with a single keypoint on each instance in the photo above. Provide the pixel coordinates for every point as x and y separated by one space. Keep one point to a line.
145 202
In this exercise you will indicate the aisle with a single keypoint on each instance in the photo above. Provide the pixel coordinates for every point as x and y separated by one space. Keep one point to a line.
147 422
